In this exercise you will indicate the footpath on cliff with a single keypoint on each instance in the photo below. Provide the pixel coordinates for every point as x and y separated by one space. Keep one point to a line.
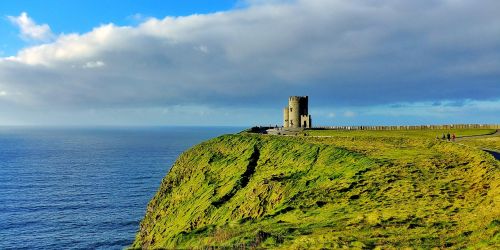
489 143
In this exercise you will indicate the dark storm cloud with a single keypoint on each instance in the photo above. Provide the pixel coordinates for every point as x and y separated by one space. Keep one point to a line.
350 53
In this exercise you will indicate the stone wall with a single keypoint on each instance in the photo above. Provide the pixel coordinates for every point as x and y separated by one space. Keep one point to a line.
305 121
413 127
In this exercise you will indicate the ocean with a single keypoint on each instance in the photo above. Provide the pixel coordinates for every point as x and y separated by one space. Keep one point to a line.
84 188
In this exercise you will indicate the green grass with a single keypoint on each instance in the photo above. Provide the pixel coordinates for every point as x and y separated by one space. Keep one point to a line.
358 189
492 143
426 133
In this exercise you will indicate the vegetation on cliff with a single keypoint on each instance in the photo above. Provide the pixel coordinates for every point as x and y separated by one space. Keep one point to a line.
492 143
356 190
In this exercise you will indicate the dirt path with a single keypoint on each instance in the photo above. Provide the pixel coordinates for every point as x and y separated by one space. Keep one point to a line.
461 138
493 152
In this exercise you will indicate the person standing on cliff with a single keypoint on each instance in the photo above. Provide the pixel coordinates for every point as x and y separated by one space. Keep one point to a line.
448 136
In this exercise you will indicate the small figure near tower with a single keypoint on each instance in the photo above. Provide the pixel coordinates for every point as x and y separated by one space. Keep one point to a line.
295 115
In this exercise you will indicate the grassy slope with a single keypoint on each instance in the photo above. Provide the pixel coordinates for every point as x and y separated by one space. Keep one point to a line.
354 190
492 143
402 133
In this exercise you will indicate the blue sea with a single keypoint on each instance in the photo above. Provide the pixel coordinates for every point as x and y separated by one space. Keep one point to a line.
84 188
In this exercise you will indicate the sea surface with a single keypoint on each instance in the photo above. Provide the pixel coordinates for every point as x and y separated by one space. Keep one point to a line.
84 188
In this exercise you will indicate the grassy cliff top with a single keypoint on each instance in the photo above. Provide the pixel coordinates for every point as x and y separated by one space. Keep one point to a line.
424 133
351 190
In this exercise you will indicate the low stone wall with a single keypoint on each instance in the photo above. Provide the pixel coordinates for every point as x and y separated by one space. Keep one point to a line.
284 131
413 127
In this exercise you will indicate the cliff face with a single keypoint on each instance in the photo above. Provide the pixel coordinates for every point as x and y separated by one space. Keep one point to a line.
264 191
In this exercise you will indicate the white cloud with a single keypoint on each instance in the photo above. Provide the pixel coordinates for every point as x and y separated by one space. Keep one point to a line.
30 30
349 114
138 17
340 53
429 109
202 48
93 64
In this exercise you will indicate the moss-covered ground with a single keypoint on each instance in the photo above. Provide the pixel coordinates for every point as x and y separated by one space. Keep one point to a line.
354 189
492 142
426 133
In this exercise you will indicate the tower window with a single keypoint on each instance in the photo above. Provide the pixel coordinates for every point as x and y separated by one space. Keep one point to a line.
291 109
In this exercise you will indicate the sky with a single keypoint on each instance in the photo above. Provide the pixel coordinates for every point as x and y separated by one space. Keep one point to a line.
234 63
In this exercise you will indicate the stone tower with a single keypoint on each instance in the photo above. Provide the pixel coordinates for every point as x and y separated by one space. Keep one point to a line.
296 114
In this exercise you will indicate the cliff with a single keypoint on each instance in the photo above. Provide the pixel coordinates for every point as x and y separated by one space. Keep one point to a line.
253 191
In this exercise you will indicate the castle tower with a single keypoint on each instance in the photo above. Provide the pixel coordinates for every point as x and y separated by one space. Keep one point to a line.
296 115
303 104
294 111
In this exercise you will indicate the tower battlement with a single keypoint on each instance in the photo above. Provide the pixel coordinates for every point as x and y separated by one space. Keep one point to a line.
297 98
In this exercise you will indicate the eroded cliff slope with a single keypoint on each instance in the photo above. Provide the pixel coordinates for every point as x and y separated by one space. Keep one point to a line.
250 190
